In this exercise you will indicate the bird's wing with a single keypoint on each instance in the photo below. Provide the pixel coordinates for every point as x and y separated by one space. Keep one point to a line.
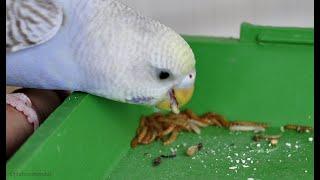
31 22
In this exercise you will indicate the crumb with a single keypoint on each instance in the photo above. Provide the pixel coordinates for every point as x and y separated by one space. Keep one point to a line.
288 144
250 179
233 167
282 129
243 161
245 166
236 154
274 142
258 145
237 161
254 169
310 139
289 155
305 171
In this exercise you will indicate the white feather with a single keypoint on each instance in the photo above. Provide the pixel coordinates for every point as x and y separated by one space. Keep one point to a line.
107 49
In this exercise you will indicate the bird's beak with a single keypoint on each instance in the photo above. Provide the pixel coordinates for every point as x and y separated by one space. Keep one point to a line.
177 97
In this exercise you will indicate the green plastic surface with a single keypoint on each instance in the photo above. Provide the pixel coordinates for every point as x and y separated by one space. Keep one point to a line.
265 76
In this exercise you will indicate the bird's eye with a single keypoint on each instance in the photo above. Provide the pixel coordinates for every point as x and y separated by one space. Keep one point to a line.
163 75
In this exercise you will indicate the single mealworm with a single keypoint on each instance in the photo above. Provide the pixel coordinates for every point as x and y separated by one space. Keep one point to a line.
168 130
142 134
172 137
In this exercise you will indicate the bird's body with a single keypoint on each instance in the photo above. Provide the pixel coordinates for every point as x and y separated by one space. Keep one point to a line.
101 47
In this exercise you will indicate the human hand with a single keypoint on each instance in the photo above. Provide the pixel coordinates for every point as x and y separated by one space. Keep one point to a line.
18 129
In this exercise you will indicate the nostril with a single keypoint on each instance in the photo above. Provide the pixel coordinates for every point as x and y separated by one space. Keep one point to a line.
190 76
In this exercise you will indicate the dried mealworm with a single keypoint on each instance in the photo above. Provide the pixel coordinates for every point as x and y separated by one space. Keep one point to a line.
246 126
180 122
259 137
191 114
172 137
168 130
298 128
223 121
195 128
147 138
153 135
142 133
142 121
248 123
157 126
198 123
134 142
211 119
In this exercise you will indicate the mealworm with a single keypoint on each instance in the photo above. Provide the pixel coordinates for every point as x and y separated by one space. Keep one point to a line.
172 138
134 142
199 123
168 130
195 128
142 134
298 128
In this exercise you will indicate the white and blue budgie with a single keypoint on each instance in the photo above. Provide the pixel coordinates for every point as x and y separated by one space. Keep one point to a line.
101 47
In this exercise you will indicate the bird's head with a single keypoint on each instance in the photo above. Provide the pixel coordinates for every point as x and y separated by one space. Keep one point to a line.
163 74
143 62
176 71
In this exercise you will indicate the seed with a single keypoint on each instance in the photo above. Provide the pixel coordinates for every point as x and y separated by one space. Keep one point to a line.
192 150
274 142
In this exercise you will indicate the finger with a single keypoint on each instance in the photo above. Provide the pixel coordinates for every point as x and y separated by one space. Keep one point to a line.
44 101
18 129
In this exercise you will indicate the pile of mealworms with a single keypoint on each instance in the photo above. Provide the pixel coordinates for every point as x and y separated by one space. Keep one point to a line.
167 127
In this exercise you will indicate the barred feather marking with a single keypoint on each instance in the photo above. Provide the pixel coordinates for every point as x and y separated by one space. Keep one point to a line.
31 22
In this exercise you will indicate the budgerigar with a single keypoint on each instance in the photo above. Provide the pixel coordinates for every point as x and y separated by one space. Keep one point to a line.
102 47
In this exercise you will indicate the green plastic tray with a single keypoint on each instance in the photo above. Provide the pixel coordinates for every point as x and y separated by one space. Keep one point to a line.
266 75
